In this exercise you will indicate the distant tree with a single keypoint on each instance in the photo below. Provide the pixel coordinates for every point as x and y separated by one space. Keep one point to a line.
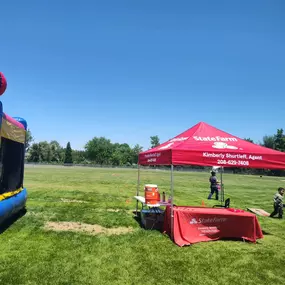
154 141
99 150
29 139
121 155
135 153
34 153
44 151
126 153
39 152
116 155
56 152
79 156
268 141
249 140
279 142
68 154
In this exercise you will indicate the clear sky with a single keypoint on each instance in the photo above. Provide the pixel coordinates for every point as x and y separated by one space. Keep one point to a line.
127 70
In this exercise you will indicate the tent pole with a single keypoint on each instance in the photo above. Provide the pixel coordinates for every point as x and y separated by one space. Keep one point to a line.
138 189
222 187
172 194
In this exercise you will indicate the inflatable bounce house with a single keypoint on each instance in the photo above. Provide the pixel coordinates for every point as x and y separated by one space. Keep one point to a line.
13 195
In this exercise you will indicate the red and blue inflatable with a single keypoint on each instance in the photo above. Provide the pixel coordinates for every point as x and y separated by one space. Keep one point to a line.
13 195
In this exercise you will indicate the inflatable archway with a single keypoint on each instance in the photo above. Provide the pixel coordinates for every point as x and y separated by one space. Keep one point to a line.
13 195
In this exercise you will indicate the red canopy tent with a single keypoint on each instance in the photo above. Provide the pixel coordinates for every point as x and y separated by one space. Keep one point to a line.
206 145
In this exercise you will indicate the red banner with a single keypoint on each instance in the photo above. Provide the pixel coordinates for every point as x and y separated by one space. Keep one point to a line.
192 225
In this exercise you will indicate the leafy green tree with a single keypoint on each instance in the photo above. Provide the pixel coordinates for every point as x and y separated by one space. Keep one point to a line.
154 141
135 153
249 140
268 141
79 156
56 152
279 142
68 154
99 150
34 153
29 139
122 154
44 151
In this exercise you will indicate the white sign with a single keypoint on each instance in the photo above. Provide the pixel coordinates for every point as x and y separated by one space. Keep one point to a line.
179 139
194 221
215 139
222 145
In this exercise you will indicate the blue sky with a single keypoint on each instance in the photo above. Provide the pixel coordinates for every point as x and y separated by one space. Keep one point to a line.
127 70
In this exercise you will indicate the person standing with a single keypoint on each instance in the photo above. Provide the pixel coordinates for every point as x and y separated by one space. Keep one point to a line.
213 186
278 203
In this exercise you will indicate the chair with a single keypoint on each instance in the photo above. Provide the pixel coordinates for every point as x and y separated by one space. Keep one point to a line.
227 204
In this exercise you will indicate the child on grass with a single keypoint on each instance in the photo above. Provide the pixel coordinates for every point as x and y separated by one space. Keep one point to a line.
278 203
213 186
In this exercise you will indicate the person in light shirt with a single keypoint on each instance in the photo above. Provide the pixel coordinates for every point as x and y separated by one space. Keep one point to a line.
278 203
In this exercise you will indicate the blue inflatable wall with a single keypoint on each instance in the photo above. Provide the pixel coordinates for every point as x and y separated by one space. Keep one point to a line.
12 205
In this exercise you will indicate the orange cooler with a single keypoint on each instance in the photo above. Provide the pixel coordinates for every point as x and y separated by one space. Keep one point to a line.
151 194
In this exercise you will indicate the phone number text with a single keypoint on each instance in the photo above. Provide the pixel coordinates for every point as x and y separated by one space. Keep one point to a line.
233 162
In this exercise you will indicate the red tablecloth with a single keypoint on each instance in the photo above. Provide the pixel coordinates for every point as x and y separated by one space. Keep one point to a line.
196 224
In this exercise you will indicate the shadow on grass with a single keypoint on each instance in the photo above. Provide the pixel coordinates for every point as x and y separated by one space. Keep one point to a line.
235 239
266 233
11 220
137 218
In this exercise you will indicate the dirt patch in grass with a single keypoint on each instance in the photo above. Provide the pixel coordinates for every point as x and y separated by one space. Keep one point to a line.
113 210
119 210
71 201
86 228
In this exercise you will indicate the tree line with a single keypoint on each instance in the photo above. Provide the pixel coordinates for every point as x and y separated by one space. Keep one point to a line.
98 150
102 151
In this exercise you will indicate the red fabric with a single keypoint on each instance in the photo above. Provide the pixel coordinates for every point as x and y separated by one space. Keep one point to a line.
197 224
3 83
208 146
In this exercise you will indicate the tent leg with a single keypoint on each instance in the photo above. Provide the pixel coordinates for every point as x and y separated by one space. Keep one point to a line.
138 189
172 216
222 186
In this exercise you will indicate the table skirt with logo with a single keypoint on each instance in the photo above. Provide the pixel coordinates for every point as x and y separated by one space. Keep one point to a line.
198 224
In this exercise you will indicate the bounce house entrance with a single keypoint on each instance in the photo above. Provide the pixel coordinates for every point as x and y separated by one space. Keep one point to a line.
11 165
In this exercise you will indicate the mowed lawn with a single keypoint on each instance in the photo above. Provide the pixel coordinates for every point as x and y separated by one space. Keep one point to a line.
30 254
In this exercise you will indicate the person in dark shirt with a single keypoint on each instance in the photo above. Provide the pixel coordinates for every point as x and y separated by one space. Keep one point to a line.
213 185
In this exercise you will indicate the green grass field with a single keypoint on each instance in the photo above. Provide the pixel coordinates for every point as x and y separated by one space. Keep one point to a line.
30 254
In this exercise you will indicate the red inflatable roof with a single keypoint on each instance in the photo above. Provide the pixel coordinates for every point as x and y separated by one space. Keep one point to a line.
206 145
13 121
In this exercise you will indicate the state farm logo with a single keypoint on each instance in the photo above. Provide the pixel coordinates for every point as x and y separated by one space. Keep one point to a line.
172 141
222 145
215 139
194 221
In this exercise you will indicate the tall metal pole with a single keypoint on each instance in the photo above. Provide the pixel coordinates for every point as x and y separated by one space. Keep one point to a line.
138 189
172 194
222 186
